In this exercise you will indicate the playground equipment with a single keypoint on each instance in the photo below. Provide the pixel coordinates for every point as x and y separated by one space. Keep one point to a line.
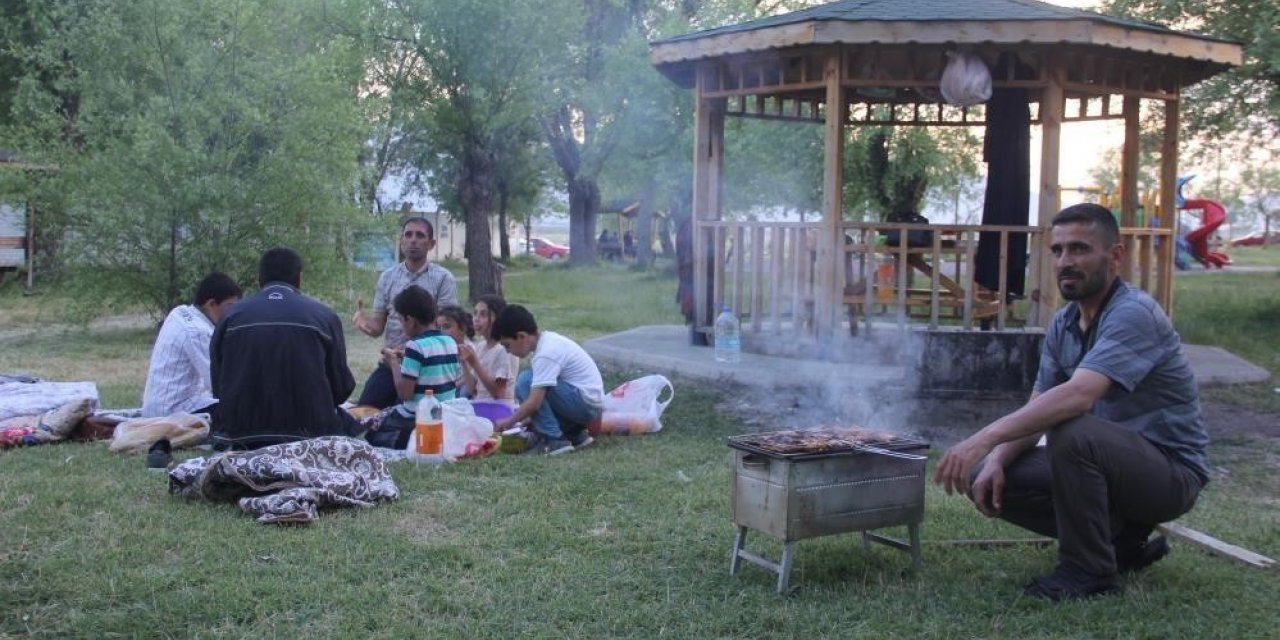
1212 216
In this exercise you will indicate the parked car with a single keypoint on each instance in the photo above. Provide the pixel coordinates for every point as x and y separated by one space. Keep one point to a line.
1255 240
548 249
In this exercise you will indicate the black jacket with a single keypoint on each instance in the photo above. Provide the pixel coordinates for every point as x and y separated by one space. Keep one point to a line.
279 366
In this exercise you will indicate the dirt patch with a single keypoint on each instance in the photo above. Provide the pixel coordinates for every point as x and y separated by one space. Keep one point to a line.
1226 422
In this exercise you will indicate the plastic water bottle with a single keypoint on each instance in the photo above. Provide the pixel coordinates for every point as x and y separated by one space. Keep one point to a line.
428 430
728 337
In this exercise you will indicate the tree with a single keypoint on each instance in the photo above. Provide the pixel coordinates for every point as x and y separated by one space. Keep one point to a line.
468 106
1245 98
1261 186
590 85
203 133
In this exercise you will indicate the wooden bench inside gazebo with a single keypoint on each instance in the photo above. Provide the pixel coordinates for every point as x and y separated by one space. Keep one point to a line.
874 62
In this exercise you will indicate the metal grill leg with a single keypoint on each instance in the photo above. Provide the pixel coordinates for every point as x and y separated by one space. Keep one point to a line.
739 541
784 571
916 557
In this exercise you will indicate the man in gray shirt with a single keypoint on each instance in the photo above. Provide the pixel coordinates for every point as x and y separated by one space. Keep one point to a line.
417 238
1118 405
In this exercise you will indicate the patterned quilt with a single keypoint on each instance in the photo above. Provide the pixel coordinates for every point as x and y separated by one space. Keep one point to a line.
289 482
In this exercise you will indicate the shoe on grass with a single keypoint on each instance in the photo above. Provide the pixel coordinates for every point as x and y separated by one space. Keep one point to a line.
542 445
581 440
1070 584
160 455
1141 556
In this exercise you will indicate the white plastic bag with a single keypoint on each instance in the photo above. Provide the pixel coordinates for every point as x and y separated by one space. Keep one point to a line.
966 80
636 407
465 433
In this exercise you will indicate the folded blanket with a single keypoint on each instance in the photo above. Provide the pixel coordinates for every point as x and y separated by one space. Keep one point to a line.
19 398
289 482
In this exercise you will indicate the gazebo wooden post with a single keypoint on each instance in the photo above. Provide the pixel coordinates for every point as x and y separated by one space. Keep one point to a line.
826 293
1051 110
1168 206
1129 180
708 165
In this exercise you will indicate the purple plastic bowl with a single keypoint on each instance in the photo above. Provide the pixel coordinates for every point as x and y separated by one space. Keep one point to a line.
491 410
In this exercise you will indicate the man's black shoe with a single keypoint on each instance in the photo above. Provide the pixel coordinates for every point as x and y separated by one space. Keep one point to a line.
1065 584
1137 558
160 456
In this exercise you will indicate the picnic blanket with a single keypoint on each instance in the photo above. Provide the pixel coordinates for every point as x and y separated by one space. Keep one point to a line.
21 396
289 482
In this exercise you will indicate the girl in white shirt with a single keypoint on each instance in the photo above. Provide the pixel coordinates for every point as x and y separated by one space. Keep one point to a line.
493 368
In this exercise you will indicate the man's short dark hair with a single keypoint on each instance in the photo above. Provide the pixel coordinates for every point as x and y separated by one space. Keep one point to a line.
431 231
513 320
280 264
1089 213
216 286
414 302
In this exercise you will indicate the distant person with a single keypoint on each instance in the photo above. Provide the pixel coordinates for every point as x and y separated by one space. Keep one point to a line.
178 378
279 364
562 391
1119 406
429 361
493 368
417 238
629 244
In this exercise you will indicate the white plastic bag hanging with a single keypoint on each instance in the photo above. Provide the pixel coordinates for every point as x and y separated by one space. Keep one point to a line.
966 80
636 407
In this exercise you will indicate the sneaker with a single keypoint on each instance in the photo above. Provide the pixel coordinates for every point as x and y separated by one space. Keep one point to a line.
542 445
581 440
1141 556
1068 584
160 456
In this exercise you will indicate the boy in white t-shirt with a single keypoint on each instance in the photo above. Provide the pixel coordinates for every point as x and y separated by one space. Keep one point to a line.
562 391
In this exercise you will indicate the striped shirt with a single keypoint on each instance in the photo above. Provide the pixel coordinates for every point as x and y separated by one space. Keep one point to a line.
178 377
431 361
433 278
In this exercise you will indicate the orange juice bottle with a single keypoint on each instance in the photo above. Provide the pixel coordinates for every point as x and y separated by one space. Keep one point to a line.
428 426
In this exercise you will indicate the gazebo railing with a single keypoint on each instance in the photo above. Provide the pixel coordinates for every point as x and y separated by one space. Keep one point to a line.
769 273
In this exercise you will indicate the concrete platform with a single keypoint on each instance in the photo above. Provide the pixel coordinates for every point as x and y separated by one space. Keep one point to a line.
665 349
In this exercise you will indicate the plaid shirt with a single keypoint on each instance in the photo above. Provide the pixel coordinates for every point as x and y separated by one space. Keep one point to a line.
434 278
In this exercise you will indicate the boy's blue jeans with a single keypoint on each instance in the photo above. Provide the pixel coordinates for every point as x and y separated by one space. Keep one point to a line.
563 412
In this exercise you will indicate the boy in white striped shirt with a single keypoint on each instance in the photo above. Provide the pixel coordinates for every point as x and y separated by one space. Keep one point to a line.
178 378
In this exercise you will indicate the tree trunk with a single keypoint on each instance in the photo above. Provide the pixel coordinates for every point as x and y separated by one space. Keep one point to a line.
475 196
584 203
644 227
504 241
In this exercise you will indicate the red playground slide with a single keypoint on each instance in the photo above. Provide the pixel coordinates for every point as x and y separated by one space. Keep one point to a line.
1212 218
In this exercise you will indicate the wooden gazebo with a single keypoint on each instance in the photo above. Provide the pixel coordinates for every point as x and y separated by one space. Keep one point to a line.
880 62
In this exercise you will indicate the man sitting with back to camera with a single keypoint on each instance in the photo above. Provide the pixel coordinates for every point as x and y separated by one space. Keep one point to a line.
1118 404
178 374
279 364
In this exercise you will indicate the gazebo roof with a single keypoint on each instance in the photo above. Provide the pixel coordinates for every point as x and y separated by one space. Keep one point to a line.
942 22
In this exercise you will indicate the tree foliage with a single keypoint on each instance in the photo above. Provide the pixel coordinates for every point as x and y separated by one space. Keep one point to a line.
203 133
1245 98
465 106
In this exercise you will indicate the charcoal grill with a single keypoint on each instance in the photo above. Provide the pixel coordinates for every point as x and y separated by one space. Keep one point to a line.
825 486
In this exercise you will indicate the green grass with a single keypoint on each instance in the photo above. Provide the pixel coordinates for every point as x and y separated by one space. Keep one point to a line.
1255 256
630 539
